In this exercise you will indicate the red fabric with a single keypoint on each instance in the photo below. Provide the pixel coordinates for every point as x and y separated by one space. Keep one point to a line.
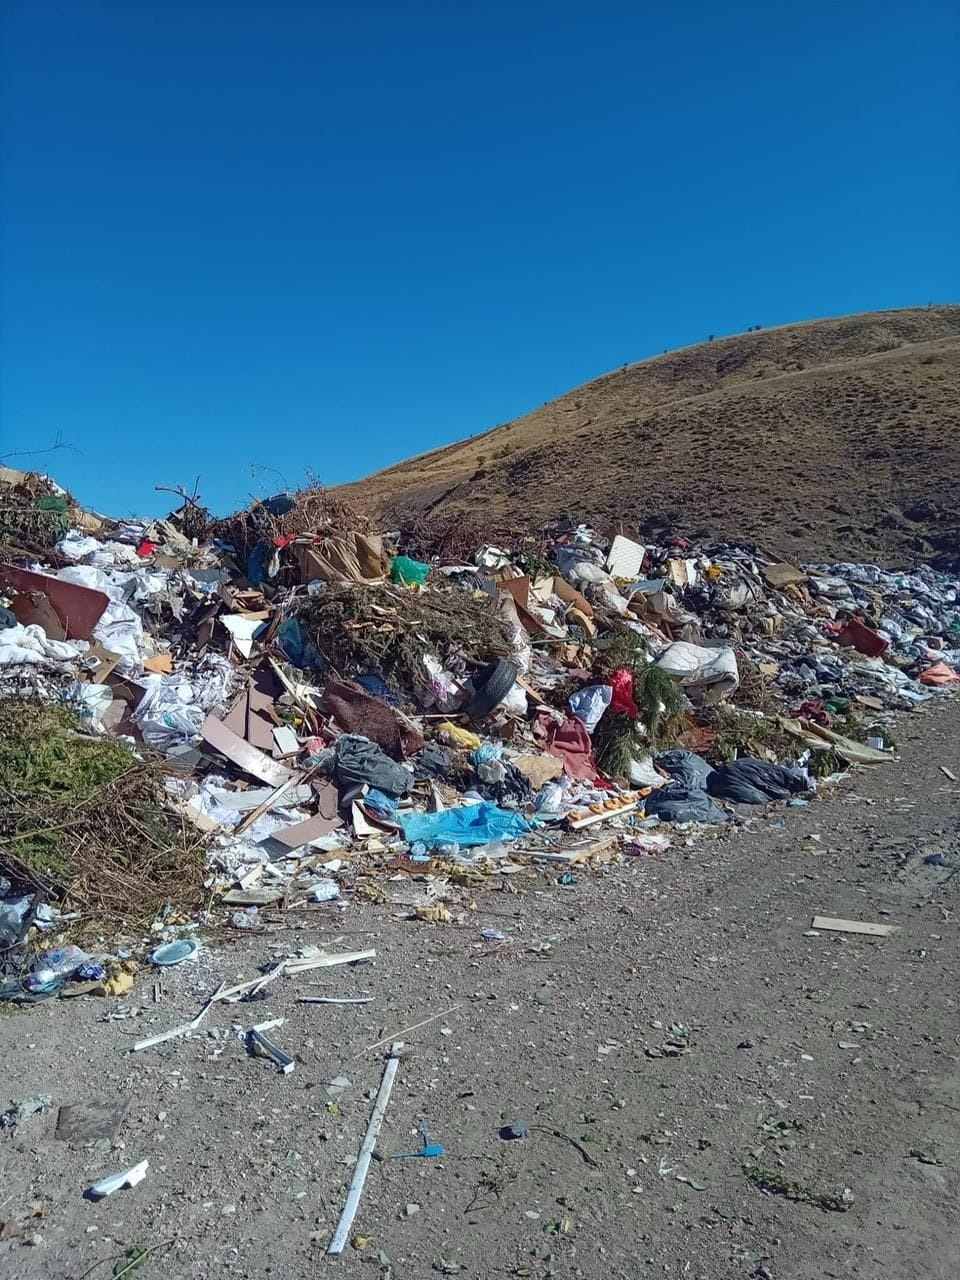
939 673
147 548
622 682
813 709
856 635
571 742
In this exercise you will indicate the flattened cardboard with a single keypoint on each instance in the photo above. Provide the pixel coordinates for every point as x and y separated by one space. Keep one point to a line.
782 575
243 755
307 831
92 1120
98 662
519 588
162 664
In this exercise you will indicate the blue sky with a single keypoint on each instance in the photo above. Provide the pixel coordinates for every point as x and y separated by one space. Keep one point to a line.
243 240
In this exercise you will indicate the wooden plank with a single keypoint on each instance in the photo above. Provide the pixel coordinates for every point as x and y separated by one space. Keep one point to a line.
602 850
594 818
835 925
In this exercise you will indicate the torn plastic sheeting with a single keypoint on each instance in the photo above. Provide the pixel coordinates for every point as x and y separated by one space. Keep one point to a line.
707 675
349 557
589 704
820 738
748 781
377 687
431 762
472 825
405 572
301 653
89 701
439 688
119 628
735 594
242 631
29 646
168 714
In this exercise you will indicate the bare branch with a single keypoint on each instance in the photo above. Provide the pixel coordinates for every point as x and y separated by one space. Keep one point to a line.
32 453
181 492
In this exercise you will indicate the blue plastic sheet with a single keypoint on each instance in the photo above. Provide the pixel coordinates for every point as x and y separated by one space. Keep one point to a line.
380 803
302 653
472 825
374 684
257 562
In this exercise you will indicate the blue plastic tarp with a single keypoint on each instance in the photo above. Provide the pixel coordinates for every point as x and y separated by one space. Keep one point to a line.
473 824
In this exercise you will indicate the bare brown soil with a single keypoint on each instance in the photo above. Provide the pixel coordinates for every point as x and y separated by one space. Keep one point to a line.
836 438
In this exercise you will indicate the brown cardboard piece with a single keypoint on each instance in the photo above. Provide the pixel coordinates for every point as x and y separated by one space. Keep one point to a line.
253 715
98 662
306 831
350 557
519 588
782 575
162 664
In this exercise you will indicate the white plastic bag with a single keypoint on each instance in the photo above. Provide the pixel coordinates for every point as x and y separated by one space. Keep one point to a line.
589 704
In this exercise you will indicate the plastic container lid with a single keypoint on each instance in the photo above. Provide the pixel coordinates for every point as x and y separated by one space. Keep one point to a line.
174 952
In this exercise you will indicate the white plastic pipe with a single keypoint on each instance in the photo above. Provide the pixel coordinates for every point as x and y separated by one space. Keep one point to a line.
366 1150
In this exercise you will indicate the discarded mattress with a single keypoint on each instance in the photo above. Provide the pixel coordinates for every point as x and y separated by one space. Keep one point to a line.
707 675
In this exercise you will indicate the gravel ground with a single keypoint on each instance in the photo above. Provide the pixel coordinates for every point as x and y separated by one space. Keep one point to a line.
831 1060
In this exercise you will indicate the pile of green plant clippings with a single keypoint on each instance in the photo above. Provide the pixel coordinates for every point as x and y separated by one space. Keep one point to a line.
85 822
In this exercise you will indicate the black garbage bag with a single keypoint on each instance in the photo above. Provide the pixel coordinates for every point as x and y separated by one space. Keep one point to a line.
749 781
360 760
686 768
431 762
677 803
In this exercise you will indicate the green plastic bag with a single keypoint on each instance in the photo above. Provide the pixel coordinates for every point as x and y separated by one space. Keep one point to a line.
406 572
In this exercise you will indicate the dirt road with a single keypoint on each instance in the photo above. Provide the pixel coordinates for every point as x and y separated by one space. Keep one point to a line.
831 1061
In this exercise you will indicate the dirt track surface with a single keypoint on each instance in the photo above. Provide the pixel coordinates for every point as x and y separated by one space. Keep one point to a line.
248 1169
832 439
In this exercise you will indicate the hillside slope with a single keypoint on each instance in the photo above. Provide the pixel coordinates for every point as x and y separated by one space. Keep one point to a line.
831 438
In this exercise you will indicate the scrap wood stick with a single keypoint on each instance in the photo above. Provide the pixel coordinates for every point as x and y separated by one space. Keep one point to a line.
366 1150
334 999
416 1027
295 964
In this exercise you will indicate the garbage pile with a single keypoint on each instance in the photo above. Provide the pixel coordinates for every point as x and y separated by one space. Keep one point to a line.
305 709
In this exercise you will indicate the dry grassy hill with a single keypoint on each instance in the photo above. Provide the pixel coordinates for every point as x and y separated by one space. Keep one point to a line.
836 438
